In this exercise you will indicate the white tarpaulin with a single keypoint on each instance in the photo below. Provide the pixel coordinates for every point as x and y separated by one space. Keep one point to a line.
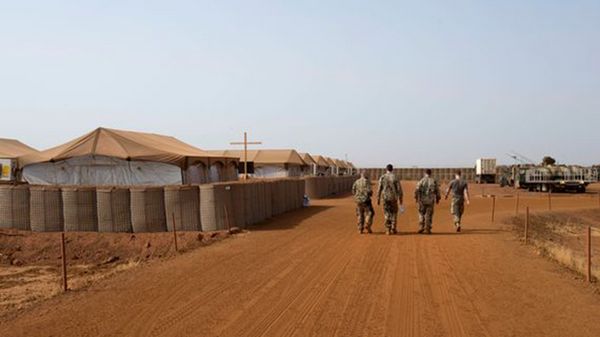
196 174
277 171
101 170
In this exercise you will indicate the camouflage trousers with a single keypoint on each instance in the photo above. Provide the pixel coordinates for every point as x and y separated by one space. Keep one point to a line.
425 216
364 215
457 208
390 212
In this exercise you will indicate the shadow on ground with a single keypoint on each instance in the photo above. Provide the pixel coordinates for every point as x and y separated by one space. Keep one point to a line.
290 219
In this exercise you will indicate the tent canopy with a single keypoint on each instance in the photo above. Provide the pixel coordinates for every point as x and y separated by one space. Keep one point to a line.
330 162
126 145
321 161
349 165
12 148
339 163
265 157
308 159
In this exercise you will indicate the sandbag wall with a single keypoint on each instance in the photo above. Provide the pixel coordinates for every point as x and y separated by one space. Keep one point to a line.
323 187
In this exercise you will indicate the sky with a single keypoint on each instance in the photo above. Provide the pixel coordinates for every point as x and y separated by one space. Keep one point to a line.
413 83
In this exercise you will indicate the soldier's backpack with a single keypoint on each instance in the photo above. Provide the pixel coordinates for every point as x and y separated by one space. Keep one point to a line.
427 192
388 189
362 196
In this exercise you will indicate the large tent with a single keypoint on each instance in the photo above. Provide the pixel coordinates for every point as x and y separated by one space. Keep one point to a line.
116 157
10 150
323 166
270 163
350 168
332 166
311 168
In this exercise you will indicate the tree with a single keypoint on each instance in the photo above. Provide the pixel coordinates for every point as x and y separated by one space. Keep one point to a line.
548 161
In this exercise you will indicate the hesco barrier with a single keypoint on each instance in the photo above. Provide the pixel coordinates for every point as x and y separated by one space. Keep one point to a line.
114 209
441 174
184 202
323 187
247 203
80 209
14 207
148 209
238 204
278 197
215 206
46 210
269 198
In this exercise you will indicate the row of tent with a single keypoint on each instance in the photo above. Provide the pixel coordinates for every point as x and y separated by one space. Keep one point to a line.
117 157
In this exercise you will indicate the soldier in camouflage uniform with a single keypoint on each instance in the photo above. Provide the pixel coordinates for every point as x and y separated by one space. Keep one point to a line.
460 194
361 189
391 192
427 194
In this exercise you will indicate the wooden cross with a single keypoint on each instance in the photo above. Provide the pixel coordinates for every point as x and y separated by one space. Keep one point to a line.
245 143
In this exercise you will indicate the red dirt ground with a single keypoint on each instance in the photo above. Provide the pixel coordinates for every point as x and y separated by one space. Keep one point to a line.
309 273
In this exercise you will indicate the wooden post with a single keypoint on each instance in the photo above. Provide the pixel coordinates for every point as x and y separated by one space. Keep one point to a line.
527 226
64 261
517 205
598 199
493 208
589 254
245 143
549 200
175 232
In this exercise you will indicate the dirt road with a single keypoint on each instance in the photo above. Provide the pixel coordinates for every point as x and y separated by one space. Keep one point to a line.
309 273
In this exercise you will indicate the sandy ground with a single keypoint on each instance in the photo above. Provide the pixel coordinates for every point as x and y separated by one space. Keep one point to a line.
30 263
309 273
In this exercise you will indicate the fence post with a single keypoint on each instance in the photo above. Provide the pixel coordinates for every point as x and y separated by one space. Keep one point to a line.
517 205
493 208
549 200
175 232
527 226
589 254
64 261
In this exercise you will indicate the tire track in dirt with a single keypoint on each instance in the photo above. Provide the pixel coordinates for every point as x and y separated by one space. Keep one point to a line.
261 276
359 302
315 269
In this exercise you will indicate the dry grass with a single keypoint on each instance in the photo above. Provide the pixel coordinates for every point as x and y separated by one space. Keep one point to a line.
562 236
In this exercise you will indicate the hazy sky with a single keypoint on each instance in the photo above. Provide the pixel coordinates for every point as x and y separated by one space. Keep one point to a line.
428 83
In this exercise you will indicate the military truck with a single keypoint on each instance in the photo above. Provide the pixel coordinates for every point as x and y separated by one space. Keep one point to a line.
485 171
554 178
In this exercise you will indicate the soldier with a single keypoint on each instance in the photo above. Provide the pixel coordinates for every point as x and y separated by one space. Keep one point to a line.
460 194
427 194
361 189
391 191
